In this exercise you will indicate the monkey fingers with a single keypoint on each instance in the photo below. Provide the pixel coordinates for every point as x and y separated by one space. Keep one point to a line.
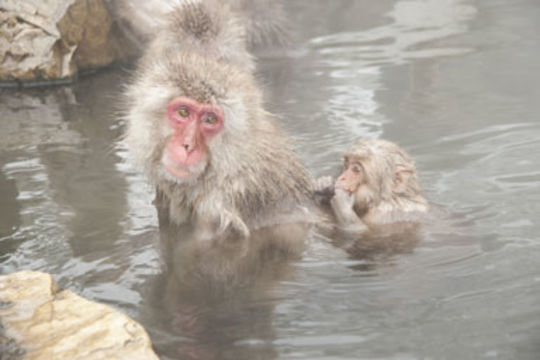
342 204
324 186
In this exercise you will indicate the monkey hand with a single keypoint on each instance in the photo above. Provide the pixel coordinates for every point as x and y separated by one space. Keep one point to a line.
231 221
214 220
324 182
342 204
324 189
342 199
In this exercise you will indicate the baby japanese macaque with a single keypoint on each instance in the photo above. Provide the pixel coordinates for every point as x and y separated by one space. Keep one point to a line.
378 187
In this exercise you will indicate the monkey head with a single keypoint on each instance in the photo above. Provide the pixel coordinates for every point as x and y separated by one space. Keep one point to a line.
377 171
181 111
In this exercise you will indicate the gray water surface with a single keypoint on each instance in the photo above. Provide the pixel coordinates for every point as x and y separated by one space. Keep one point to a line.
454 82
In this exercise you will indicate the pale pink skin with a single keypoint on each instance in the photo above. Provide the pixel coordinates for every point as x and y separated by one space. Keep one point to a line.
351 177
187 147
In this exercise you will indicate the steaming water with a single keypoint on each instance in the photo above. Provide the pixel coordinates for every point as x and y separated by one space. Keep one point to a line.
454 82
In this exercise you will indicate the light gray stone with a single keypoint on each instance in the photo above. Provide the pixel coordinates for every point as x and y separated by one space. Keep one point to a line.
55 39
39 321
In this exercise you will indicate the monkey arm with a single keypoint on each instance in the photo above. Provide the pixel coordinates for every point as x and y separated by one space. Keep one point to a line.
342 205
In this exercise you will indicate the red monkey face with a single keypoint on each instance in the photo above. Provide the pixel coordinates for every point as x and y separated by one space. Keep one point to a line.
193 124
352 176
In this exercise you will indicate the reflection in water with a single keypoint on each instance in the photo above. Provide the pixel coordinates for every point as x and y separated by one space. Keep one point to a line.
59 146
28 120
10 218
375 247
217 294
414 23
354 60
81 169
74 153
347 70
452 81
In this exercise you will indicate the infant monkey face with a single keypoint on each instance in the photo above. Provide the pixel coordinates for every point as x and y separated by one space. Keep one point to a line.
352 177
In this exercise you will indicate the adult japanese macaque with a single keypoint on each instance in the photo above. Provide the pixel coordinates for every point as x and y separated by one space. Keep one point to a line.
378 187
195 121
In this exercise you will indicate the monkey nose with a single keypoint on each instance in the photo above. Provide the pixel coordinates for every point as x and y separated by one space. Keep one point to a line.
189 147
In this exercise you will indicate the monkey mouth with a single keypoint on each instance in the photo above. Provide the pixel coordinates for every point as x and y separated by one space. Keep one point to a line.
179 171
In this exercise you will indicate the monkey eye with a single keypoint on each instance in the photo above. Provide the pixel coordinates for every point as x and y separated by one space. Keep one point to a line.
357 168
183 112
210 119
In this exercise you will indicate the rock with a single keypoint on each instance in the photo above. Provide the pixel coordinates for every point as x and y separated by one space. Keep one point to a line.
41 321
55 39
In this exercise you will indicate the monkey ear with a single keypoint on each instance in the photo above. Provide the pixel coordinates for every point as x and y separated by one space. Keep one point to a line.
401 180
